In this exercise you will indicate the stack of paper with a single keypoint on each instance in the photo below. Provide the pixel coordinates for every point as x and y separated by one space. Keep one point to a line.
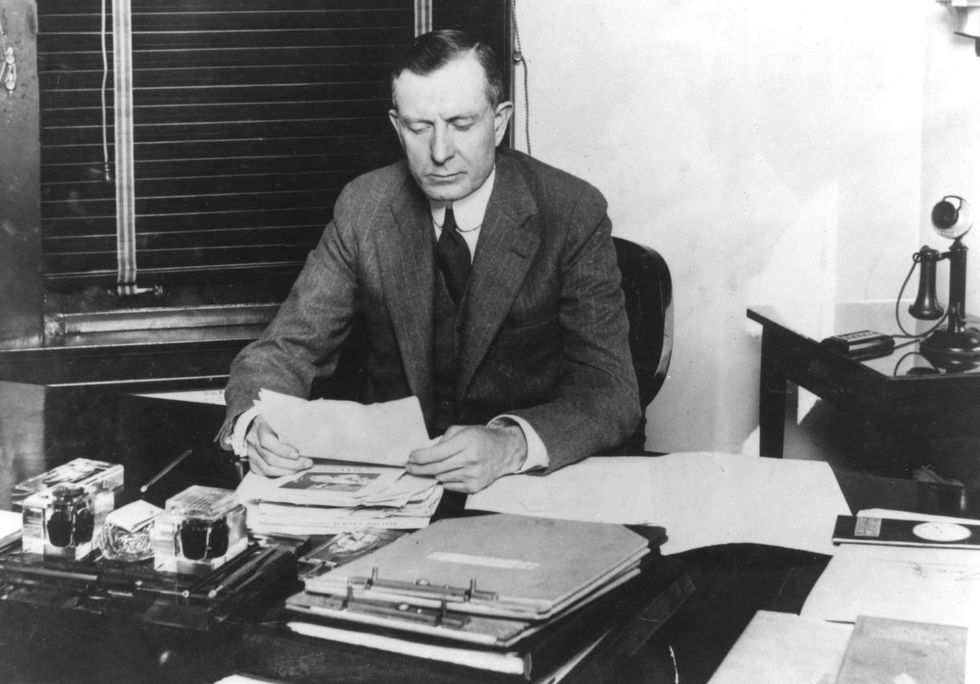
330 499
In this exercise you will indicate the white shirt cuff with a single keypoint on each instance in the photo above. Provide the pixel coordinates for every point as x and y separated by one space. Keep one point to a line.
237 437
537 453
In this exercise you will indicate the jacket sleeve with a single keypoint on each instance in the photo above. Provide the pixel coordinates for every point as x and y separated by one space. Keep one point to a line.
304 338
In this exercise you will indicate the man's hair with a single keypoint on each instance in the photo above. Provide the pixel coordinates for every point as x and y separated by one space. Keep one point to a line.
434 50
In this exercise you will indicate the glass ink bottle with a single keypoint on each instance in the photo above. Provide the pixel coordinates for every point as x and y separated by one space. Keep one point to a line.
200 529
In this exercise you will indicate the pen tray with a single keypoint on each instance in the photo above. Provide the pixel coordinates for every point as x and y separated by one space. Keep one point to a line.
241 590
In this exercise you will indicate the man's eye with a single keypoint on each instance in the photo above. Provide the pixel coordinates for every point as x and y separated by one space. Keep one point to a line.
418 128
463 126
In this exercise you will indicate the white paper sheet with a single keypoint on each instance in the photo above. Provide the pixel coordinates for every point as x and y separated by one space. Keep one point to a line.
905 583
783 648
10 526
384 433
701 498
900 582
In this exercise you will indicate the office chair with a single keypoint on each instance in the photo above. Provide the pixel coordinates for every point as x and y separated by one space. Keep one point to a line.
649 308
648 289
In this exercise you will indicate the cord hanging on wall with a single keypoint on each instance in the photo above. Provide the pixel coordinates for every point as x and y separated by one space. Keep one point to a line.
106 165
967 19
521 61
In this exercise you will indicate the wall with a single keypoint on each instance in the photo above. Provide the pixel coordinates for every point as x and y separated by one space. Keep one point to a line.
772 151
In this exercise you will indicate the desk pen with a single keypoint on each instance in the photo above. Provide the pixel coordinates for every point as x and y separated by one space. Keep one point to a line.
170 466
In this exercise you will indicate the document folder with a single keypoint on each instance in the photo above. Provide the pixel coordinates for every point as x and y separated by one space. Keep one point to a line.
638 606
507 566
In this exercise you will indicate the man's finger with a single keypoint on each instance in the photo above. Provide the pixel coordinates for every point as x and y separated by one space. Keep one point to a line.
433 468
263 468
286 464
268 440
445 448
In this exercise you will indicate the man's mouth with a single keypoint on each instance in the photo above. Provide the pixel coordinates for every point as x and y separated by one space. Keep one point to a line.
444 177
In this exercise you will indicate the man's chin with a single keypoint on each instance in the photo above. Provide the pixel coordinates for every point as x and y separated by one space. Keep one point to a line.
445 193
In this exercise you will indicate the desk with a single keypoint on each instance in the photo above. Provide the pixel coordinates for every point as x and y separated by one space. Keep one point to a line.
42 427
908 412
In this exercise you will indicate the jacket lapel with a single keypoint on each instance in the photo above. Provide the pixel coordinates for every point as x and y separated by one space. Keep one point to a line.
405 256
507 245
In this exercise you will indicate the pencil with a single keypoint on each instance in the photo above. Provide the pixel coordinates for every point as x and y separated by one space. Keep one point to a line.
170 466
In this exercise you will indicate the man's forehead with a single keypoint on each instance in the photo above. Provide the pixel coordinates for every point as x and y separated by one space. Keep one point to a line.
460 83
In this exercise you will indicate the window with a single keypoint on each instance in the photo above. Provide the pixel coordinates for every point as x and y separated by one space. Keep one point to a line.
248 117
247 120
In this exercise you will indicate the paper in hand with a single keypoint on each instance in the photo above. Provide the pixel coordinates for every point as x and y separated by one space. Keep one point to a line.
384 433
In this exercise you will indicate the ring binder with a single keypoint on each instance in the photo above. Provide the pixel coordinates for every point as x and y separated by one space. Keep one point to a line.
422 587
402 610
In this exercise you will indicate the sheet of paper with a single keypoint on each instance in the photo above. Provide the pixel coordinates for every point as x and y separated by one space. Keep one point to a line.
701 498
207 396
10 526
904 583
900 582
787 648
384 433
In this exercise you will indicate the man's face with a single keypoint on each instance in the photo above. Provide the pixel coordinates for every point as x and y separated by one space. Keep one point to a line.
448 128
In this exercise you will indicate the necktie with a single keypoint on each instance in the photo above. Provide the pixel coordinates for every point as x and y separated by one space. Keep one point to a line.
453 256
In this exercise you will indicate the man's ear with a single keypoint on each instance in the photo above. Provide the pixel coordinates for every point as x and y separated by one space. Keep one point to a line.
396 124
501 117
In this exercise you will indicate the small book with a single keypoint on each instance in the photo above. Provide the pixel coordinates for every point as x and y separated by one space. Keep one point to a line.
887 650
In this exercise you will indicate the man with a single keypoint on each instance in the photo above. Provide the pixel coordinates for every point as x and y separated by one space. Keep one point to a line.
488 286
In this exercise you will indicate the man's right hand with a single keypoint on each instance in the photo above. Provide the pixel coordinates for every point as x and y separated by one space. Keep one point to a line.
270 456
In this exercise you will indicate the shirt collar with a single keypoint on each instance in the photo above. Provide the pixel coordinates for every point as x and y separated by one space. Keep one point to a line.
470 210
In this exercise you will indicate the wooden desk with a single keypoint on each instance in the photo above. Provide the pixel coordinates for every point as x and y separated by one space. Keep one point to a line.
908 411
42 427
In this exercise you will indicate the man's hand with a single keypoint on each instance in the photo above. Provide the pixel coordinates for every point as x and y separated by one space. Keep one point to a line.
470 457
270 456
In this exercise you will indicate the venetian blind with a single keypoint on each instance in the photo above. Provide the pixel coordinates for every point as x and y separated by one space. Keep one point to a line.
248 119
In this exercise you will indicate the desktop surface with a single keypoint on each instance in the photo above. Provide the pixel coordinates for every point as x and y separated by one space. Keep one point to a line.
43 427
817 322
891 415
78 639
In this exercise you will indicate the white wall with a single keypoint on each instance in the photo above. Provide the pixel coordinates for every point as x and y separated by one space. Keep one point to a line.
771 151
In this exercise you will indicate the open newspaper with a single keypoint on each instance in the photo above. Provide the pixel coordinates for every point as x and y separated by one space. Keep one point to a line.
358 479
330 499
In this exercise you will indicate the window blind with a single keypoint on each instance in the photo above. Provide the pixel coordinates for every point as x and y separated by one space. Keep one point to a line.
248 119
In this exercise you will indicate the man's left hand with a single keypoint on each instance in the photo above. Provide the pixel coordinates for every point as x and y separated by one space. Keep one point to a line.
470 457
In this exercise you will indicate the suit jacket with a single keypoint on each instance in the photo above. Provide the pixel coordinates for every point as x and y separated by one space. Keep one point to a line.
544 332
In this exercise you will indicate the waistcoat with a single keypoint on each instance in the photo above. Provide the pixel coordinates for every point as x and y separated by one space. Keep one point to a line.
447 328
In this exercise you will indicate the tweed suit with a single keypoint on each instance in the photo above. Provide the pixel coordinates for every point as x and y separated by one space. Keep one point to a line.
544 332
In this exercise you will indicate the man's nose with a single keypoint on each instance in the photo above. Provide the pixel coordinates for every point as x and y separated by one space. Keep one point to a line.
443 148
